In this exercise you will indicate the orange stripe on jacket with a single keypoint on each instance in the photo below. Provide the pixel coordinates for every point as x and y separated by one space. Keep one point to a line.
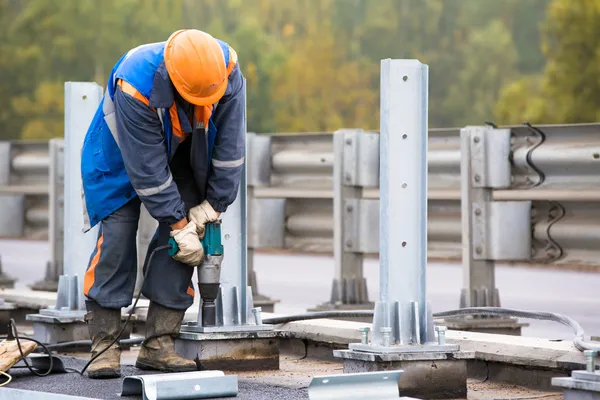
126 87
175 124
89 278
190 291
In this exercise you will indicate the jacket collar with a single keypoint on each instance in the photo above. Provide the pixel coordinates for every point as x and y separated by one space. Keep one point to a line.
163 95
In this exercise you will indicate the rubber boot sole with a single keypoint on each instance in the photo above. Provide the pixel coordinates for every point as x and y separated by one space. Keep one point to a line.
150 366
105 373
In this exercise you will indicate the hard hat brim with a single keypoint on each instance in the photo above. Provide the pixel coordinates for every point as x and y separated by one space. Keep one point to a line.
203 101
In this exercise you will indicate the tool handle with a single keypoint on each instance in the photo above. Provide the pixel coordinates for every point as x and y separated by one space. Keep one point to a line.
174 247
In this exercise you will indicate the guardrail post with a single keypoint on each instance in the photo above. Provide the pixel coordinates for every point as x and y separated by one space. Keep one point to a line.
403 323
8 212
356 220
56 208
266 217
64 322
490 230
12 205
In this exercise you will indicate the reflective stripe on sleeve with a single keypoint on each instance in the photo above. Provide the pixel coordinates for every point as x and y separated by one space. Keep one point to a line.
227 164
155 190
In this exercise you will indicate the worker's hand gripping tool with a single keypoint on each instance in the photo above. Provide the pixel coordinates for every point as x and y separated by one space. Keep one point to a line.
209 272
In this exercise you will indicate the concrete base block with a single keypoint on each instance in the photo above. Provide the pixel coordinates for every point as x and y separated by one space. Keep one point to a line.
58 333
49 332
231 351
500 326
426 376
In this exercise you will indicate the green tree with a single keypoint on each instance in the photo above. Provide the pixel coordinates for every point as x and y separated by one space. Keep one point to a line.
567 91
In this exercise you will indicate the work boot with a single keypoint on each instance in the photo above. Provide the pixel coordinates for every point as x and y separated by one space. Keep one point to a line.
158 349
104 325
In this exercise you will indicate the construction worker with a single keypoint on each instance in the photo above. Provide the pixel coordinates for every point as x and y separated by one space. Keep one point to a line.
168 134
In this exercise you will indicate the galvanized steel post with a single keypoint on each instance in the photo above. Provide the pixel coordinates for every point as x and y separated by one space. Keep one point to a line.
403 203
348 266
479 286
81 101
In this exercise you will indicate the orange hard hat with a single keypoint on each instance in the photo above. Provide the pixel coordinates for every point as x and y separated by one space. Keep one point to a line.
196 65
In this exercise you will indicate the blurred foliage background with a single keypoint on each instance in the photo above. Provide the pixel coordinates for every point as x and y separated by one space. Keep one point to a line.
313 65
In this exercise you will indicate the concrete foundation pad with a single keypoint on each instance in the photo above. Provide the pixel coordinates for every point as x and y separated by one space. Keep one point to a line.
49 332
53 329
437 378
231 351
410 349
504 359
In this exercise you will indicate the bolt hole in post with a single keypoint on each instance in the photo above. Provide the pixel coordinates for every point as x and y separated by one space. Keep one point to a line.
227 236
404 136
403 244
405 78
404 186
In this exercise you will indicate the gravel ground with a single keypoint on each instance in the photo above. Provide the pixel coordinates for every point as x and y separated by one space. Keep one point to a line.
289 383
76 385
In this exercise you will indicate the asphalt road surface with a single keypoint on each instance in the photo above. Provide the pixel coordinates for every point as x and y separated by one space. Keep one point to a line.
300 282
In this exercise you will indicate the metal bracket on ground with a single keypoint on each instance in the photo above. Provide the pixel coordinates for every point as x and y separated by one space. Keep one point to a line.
41 362
182 385
582 385
371 385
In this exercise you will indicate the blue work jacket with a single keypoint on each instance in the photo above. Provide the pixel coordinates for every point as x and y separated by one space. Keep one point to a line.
137 128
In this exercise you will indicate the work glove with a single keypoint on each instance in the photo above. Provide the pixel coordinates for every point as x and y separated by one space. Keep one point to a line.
190 249
201 215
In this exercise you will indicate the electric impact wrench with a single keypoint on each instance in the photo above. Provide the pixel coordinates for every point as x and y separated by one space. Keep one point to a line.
209 272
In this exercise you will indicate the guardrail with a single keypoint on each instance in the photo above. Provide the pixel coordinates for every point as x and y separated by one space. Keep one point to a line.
536 191
24 189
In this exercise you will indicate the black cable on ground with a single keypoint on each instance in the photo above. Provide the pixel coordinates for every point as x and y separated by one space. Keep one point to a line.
578 341
13 331
137 298
63 345
318 315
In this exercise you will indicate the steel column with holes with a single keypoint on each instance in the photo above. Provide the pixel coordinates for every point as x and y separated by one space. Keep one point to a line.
64 322
240 340
402 330
56 208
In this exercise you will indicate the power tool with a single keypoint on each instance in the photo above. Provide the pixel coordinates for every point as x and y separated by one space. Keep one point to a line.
209 272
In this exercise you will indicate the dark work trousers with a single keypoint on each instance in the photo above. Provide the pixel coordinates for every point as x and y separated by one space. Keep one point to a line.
111 274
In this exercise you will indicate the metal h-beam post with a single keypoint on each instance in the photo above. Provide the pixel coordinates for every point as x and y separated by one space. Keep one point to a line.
403 335
348 266
234 302
239 340
54 267
402 302
477 274
81 101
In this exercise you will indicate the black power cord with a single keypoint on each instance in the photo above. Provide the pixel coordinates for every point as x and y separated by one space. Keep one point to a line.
13 334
